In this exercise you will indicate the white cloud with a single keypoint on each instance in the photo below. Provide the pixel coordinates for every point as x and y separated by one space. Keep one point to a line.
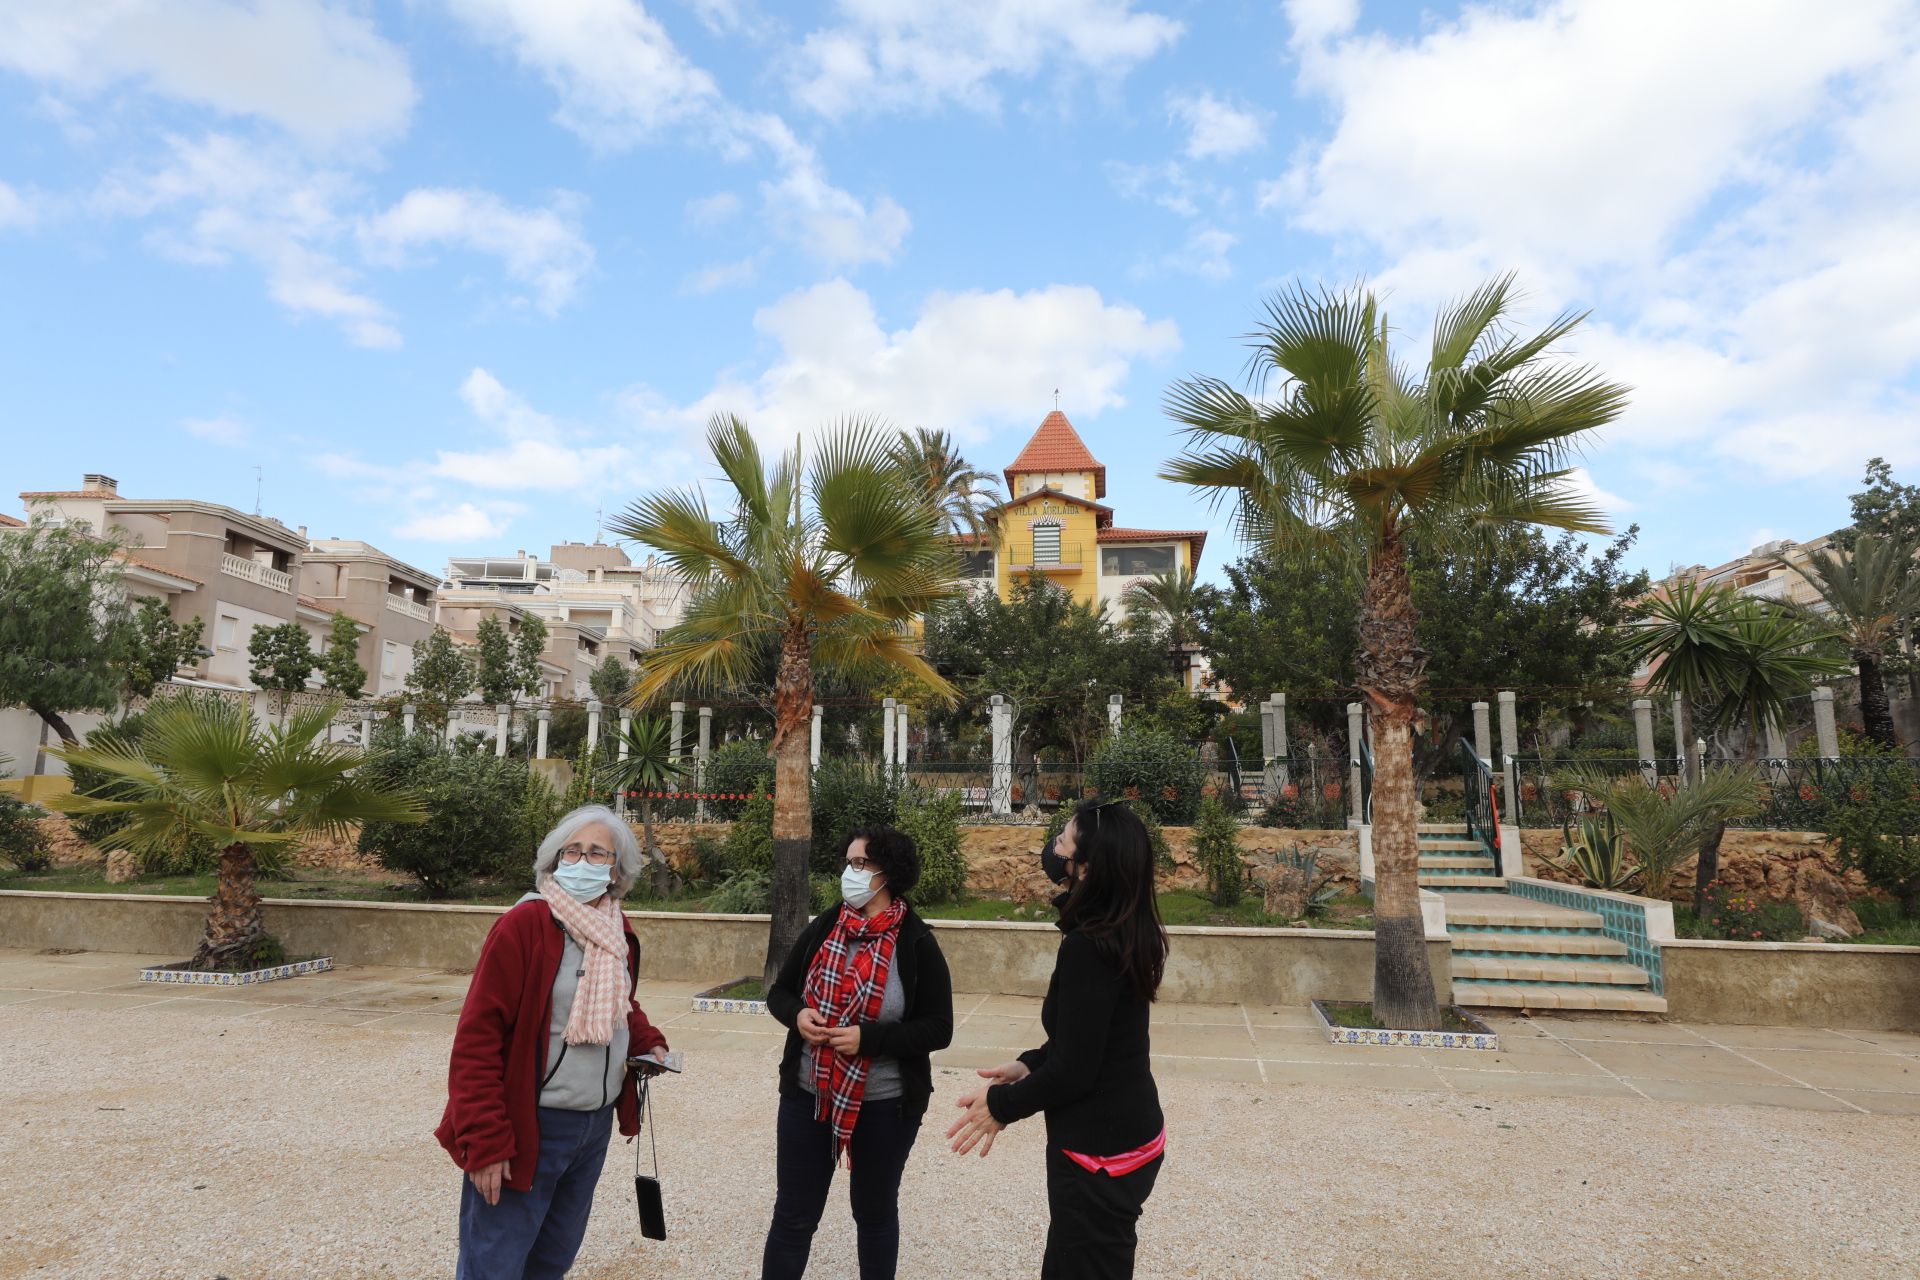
536 453
929 53
218 430
715 210
1583 486
463 522
1204 254
541 248
723 275
1317 20
970 362
324 75
833 225
15 211
1216 129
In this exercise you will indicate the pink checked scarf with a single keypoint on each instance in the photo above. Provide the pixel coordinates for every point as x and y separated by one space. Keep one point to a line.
846 983
603 988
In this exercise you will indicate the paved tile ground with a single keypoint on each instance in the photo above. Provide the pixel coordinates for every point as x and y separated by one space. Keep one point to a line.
286 1098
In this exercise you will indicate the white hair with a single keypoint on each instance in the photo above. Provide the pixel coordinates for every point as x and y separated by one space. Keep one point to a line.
627 860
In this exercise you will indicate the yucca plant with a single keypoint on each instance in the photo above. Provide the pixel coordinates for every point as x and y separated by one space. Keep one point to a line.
1867 592
1350 454
825 563
1663 827
203 770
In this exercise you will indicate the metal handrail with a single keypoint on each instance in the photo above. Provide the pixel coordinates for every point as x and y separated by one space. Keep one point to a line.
1483 803
1366 782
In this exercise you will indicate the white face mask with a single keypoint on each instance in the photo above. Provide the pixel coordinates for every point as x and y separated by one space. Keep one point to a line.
857 888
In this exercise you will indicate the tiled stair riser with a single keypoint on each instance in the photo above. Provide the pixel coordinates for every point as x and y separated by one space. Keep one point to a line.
1622 920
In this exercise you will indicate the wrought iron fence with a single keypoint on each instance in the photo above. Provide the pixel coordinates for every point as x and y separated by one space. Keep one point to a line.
1477 790
1796 794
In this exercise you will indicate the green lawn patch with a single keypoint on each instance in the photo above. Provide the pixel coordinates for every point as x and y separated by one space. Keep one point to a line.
1359 1013
745 989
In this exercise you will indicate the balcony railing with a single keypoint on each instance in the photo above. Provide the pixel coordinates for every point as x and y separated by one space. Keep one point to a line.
409 608
1069 559
255 572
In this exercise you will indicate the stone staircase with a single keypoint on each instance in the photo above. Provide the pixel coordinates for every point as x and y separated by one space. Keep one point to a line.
1515 953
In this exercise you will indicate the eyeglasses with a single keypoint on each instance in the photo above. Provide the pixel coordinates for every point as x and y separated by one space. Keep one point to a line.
862 864
592 853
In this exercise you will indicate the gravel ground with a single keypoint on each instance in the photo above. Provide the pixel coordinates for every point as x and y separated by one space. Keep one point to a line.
171 1144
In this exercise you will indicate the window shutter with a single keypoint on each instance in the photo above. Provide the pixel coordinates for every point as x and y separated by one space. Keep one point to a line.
1046 544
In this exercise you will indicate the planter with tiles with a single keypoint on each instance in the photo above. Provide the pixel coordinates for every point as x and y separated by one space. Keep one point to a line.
1475 1035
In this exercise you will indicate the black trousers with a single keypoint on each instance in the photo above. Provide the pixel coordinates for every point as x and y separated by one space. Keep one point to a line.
1091 1234
803 1174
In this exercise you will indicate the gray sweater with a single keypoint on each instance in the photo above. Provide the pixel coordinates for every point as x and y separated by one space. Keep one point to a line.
580 1077
883 1074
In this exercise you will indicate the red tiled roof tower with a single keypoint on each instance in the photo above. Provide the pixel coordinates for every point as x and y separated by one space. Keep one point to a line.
1056 446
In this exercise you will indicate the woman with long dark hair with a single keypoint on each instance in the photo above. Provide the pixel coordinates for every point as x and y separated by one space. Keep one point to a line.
1093 1078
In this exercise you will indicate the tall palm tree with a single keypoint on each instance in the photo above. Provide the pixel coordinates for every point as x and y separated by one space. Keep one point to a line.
1176 598
1867 592
828 563
203 770
1742 660
964 494
1350 453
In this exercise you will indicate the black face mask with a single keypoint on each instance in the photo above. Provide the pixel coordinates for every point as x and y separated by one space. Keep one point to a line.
1053 864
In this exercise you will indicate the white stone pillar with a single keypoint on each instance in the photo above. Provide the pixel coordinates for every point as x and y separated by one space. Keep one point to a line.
621 748
544 718
1356 727
701 751
677 728
889 725
1000 792
366 732
593 725
900 741
453 726
1826 734
407 713
1776 740
1680 738
1643 738
1482 733
817 710
1509 747
1113 713
1273 726
501 712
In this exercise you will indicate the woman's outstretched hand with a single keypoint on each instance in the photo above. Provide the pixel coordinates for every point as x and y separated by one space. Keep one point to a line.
977 1127
1005 1073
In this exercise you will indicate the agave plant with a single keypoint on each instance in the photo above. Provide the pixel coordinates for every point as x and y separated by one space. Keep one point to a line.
1593 850
1663 828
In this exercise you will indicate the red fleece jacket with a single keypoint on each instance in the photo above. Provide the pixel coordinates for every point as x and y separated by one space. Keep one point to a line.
500 1046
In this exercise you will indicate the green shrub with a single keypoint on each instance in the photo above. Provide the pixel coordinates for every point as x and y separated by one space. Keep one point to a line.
481 823
741 767
706 860
1877 831
22 842
933 820
749 842
188 857
848 794
1152 766
747 891
1738 916
1216 850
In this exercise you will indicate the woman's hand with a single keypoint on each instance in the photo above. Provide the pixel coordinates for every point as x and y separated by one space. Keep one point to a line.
811 1026
486 1180
978 1124
843 1040
1005 1073
658 1053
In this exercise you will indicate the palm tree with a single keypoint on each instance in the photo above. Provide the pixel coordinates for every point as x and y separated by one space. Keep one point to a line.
828 564
1742 659
964 493
1662 826
1177 598
649 766
203 770
1867 592
1350 454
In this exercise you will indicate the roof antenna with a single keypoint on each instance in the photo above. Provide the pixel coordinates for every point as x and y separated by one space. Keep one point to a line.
1056 399
258 479
599 524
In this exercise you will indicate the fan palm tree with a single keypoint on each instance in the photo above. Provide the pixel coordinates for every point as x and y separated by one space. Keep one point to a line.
1867 592
203 770
964 494
1743 659
1350 453
649 766
827 563
1176 598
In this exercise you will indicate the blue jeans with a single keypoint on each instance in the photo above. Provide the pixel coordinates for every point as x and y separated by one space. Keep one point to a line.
803 1171
534 1234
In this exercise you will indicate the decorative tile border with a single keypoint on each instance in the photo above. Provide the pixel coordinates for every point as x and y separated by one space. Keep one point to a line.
710 1001
195 978
1644 924
1481 1037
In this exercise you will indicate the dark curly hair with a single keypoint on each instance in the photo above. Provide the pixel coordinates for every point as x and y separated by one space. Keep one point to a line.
892 853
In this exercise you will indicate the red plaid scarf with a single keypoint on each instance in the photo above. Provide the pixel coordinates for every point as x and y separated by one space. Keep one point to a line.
847 983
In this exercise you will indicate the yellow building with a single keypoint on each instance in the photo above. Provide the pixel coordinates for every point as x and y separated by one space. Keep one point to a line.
1053 523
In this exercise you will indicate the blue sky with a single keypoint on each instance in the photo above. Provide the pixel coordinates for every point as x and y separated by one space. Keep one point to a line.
456 274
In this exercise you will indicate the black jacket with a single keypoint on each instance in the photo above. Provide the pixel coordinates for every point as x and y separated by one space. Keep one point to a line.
926 1026
1094 1076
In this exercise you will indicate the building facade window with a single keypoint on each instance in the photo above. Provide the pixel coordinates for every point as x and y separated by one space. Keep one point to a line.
976 564
1046 544
1126 562
227 633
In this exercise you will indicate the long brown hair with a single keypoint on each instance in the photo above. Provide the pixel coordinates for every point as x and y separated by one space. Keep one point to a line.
1112 901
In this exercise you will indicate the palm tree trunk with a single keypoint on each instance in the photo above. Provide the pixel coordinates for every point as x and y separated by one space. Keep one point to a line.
235 927
792 798
1390 667
1875 710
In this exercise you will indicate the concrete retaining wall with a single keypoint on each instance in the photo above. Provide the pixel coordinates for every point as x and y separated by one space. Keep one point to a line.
1207 966
1799 984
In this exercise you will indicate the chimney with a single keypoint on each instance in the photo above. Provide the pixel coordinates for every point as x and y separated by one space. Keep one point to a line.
94 481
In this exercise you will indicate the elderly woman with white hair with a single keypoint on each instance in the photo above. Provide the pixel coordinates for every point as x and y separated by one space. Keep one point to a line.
539 1068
